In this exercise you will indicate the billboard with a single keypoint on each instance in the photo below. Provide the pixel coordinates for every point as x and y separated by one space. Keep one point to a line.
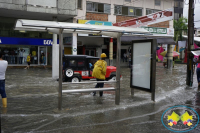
161 16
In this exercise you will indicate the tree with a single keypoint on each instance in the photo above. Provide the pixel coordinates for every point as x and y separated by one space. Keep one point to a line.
180 26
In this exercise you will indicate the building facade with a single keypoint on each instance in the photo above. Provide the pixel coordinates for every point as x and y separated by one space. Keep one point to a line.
114 11
16 45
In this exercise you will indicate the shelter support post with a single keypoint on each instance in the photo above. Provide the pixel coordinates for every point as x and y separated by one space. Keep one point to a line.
74 46
55 56
153 69
111 52
60 68
169 56
117 92
189 78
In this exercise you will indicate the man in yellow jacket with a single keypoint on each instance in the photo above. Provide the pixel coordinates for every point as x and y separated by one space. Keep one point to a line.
99 72
28 59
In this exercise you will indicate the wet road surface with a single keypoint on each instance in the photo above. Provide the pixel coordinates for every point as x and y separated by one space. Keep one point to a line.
33 100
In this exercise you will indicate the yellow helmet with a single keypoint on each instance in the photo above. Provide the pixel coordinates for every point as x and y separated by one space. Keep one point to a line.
103 55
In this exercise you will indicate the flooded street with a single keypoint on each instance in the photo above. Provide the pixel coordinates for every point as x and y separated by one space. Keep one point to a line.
33 100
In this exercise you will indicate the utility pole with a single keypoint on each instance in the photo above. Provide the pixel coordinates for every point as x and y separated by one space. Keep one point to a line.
189 80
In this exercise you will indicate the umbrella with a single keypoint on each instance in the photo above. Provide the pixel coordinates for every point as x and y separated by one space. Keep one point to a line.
175 54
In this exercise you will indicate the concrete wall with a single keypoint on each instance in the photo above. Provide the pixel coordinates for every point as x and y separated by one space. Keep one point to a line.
63 7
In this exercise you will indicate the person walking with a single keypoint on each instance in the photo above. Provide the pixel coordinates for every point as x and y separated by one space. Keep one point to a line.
28 59
125 57
99 72
198 71
3 67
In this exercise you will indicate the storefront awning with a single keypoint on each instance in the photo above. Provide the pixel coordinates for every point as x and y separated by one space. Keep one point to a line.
54 27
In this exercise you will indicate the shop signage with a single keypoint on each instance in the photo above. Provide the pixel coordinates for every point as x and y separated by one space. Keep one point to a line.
26 41
161 16
155 30
92 22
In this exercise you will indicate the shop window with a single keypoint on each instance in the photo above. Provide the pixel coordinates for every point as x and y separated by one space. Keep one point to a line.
128 0
150 11
178 4
157 2
79 4
126 10
98 7
138 11
118 10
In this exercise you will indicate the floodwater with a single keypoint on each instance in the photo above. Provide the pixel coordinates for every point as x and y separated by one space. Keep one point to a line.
33 100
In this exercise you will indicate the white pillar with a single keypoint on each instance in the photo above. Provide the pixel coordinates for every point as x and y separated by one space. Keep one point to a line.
55 58
111 52
170 56
74 41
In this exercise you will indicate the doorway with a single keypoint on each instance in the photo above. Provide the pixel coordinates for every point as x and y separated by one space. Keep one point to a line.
42 50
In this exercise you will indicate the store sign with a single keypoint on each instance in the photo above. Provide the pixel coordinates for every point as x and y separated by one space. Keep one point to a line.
26 41
92 22
161 16
155 30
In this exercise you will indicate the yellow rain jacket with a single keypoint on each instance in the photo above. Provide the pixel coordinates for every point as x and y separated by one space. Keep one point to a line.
99 70
28 58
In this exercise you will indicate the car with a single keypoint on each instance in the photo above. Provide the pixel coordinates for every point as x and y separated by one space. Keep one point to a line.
78 67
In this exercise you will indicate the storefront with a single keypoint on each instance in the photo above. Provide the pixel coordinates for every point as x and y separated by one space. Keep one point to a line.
16 50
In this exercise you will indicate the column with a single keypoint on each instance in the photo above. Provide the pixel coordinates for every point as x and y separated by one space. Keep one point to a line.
74 41
55 56
169 56
111 52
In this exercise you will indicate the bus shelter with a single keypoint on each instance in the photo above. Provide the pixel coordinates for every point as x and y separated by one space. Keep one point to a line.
63 27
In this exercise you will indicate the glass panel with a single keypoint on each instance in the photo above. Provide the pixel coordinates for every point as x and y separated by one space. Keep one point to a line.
157 2
100 7
118 10
149 11
95 7
131 11
92 52
72 63
138 12
87 52
89 6
124 10
18 54
81 63
80 4
106 8
141 64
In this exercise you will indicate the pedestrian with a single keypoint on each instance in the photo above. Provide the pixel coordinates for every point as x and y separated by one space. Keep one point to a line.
129 60
173 62
28 60
44 61
3 67
99 72
125 57
198 71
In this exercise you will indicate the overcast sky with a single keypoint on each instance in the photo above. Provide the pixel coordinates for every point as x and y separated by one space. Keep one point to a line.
196 11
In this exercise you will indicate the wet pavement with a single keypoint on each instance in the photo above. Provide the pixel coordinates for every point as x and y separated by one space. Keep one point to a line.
33 100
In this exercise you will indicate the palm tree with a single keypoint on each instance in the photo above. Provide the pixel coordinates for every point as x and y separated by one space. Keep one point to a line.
180 26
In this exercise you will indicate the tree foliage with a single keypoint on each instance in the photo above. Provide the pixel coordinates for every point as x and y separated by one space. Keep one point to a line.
180 26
